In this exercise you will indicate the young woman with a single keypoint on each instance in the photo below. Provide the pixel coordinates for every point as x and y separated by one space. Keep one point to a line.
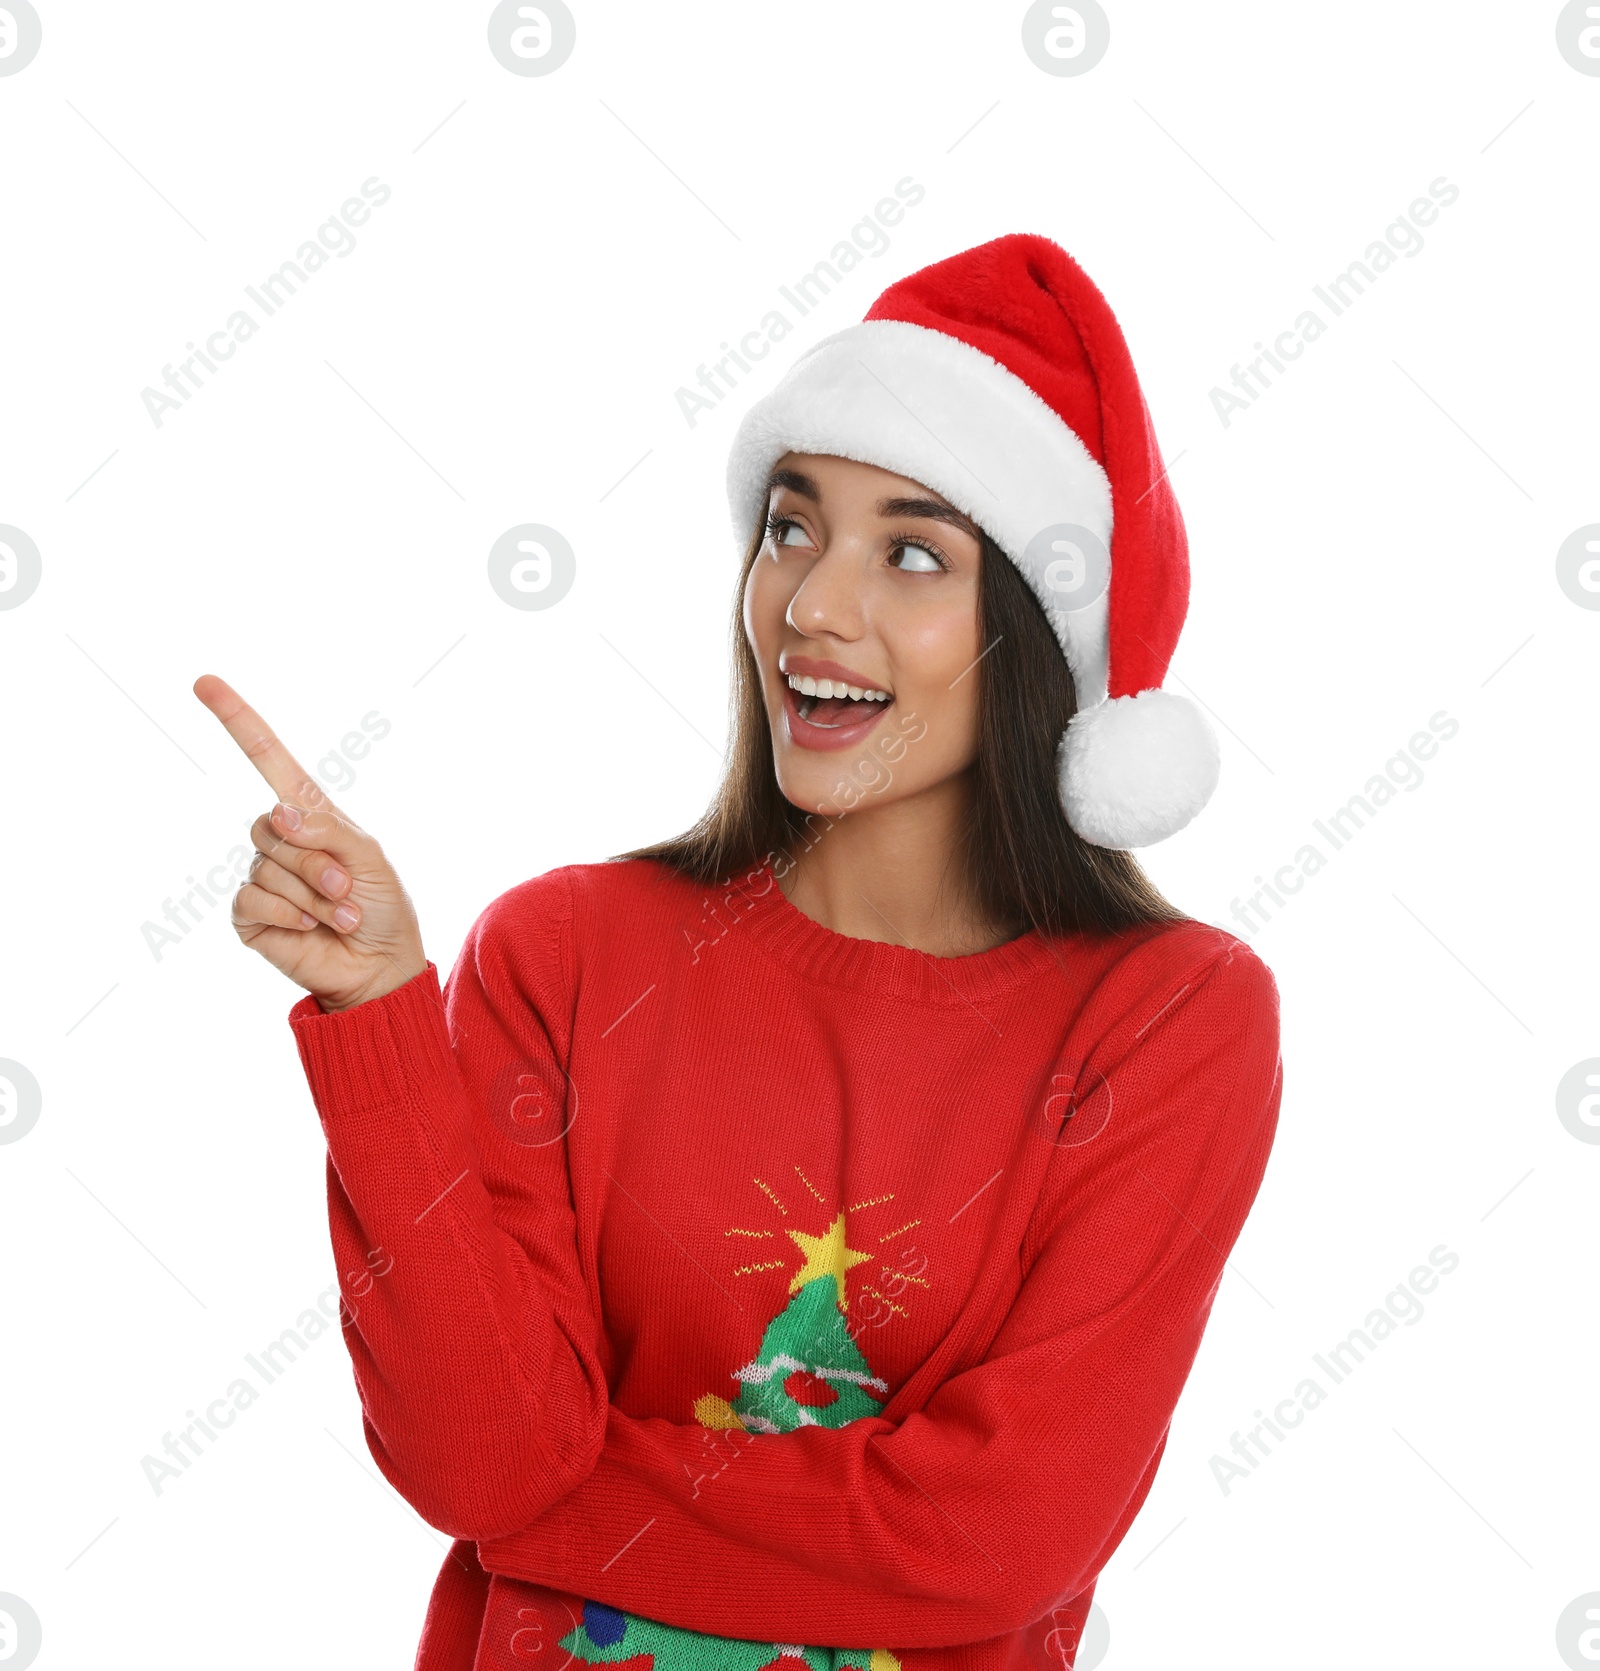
788 1243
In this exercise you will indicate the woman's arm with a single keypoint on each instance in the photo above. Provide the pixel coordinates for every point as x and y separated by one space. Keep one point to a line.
476 1353
1009 1490
448 1196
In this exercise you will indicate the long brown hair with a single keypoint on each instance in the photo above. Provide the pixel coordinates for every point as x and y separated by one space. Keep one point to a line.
1025 863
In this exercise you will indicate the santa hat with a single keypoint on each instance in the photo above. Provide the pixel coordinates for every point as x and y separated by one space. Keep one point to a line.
1000 379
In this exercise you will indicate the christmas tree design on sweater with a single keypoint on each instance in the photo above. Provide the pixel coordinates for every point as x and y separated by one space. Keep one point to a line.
609 1637
809 1372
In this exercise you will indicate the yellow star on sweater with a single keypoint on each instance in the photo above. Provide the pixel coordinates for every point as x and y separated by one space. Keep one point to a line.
825 1256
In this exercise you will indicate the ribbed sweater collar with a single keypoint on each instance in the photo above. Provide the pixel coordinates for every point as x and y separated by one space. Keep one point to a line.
802 945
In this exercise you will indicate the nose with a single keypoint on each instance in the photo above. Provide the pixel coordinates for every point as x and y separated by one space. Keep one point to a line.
828 602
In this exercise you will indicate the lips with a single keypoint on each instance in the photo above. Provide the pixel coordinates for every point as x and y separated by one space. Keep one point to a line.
815 668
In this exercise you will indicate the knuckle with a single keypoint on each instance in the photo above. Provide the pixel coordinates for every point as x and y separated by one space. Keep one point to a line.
266 872
329 827
280 858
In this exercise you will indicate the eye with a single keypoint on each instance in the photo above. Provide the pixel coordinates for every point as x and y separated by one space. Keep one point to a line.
783 530
918 559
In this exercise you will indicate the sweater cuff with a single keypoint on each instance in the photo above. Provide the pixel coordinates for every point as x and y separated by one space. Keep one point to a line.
388 1052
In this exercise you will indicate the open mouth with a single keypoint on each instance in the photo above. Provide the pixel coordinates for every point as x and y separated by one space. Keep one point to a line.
826 711
830 704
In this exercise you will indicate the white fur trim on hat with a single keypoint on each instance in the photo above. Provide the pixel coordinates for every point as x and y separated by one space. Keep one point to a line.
935 409
1136 769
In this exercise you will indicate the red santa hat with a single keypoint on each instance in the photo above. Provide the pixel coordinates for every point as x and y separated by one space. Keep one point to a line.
1000 379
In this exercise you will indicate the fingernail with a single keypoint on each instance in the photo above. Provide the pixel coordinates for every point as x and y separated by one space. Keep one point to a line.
307 920
345 917
332 880
287 815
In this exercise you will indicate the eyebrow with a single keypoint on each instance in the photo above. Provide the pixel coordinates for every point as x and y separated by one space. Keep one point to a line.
931 510
797 481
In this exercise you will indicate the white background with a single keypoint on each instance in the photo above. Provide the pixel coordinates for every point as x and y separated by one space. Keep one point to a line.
1370 545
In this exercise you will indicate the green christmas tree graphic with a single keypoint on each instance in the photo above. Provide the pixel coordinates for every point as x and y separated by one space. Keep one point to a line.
609 1637
808 1372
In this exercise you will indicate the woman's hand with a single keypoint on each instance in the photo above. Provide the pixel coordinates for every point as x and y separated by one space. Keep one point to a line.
322 903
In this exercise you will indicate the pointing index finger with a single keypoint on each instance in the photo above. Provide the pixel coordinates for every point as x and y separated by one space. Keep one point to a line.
290 781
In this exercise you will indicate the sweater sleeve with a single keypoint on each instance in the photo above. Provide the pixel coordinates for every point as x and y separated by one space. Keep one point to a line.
475 1350
1007 1492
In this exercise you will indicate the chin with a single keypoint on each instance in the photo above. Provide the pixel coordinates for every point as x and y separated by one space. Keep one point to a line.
848 783
812 793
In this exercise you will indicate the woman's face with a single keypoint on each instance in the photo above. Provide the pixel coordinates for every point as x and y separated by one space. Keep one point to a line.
865 581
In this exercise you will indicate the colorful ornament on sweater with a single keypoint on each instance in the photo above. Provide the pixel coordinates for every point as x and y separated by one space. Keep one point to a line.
609 1637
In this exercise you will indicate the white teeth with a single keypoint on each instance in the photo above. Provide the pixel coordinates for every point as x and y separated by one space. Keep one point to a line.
807 686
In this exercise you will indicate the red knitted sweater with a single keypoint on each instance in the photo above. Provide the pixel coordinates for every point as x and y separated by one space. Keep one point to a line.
733 1289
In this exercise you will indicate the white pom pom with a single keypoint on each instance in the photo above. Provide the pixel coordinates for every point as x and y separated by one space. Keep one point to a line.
1136 769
